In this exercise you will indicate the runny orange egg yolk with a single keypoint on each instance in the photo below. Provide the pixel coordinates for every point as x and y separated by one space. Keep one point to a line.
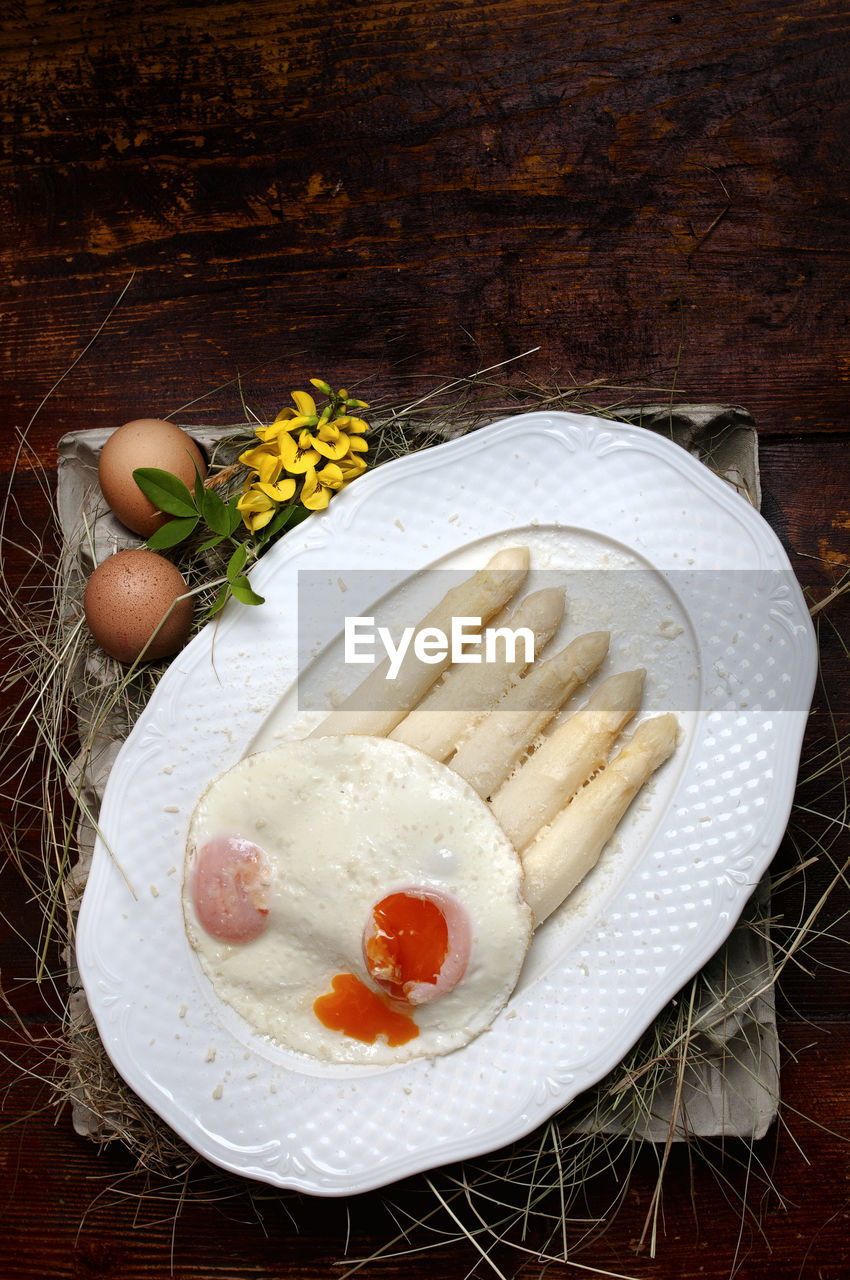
416 946
407 944
357 1011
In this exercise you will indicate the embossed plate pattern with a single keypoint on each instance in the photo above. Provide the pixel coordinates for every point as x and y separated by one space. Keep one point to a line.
597 975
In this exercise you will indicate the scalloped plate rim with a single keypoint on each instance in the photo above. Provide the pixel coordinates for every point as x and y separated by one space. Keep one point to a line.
345 509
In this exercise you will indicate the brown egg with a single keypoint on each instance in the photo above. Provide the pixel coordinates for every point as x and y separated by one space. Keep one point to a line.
127 598
146 442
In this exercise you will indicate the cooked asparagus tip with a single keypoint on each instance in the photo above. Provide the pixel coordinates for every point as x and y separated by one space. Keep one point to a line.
467 692
563 853
573 753
378 704
489 754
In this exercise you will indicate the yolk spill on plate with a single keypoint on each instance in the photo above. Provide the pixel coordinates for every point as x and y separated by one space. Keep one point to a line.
356 1011
405 946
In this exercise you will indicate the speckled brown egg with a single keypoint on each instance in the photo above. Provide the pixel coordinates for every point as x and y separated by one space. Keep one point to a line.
133 597
145 442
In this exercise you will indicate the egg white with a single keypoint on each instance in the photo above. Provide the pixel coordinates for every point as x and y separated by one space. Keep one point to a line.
344 821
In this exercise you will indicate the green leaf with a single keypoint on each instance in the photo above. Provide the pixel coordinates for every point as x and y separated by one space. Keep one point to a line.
219 602
279 521
235 514
237 562
285 518
243 592
291 517
167 492
169 535
299 514
209 543
199 489
215 512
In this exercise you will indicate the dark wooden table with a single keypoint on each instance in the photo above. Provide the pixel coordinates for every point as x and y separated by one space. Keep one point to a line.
652 195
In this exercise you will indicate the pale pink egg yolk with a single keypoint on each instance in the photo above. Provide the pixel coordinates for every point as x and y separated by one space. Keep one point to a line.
230 889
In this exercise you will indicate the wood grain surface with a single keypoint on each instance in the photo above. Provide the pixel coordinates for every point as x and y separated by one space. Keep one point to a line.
201 202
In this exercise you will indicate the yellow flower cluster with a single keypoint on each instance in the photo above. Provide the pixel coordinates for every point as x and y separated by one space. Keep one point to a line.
323 451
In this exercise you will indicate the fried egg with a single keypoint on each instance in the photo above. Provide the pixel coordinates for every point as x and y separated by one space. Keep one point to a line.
354 900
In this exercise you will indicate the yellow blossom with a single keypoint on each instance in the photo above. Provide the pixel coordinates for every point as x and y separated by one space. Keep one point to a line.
281 492
304 403
330 442
319 486
351 466
298 456
260 501
265 459
286 421
299 441
353 426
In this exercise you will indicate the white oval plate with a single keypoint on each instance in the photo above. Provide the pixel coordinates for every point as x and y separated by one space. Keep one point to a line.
722 627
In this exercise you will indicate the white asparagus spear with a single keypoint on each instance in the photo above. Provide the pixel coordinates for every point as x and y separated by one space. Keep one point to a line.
488 755
468 691
378 704
564 852
564 761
